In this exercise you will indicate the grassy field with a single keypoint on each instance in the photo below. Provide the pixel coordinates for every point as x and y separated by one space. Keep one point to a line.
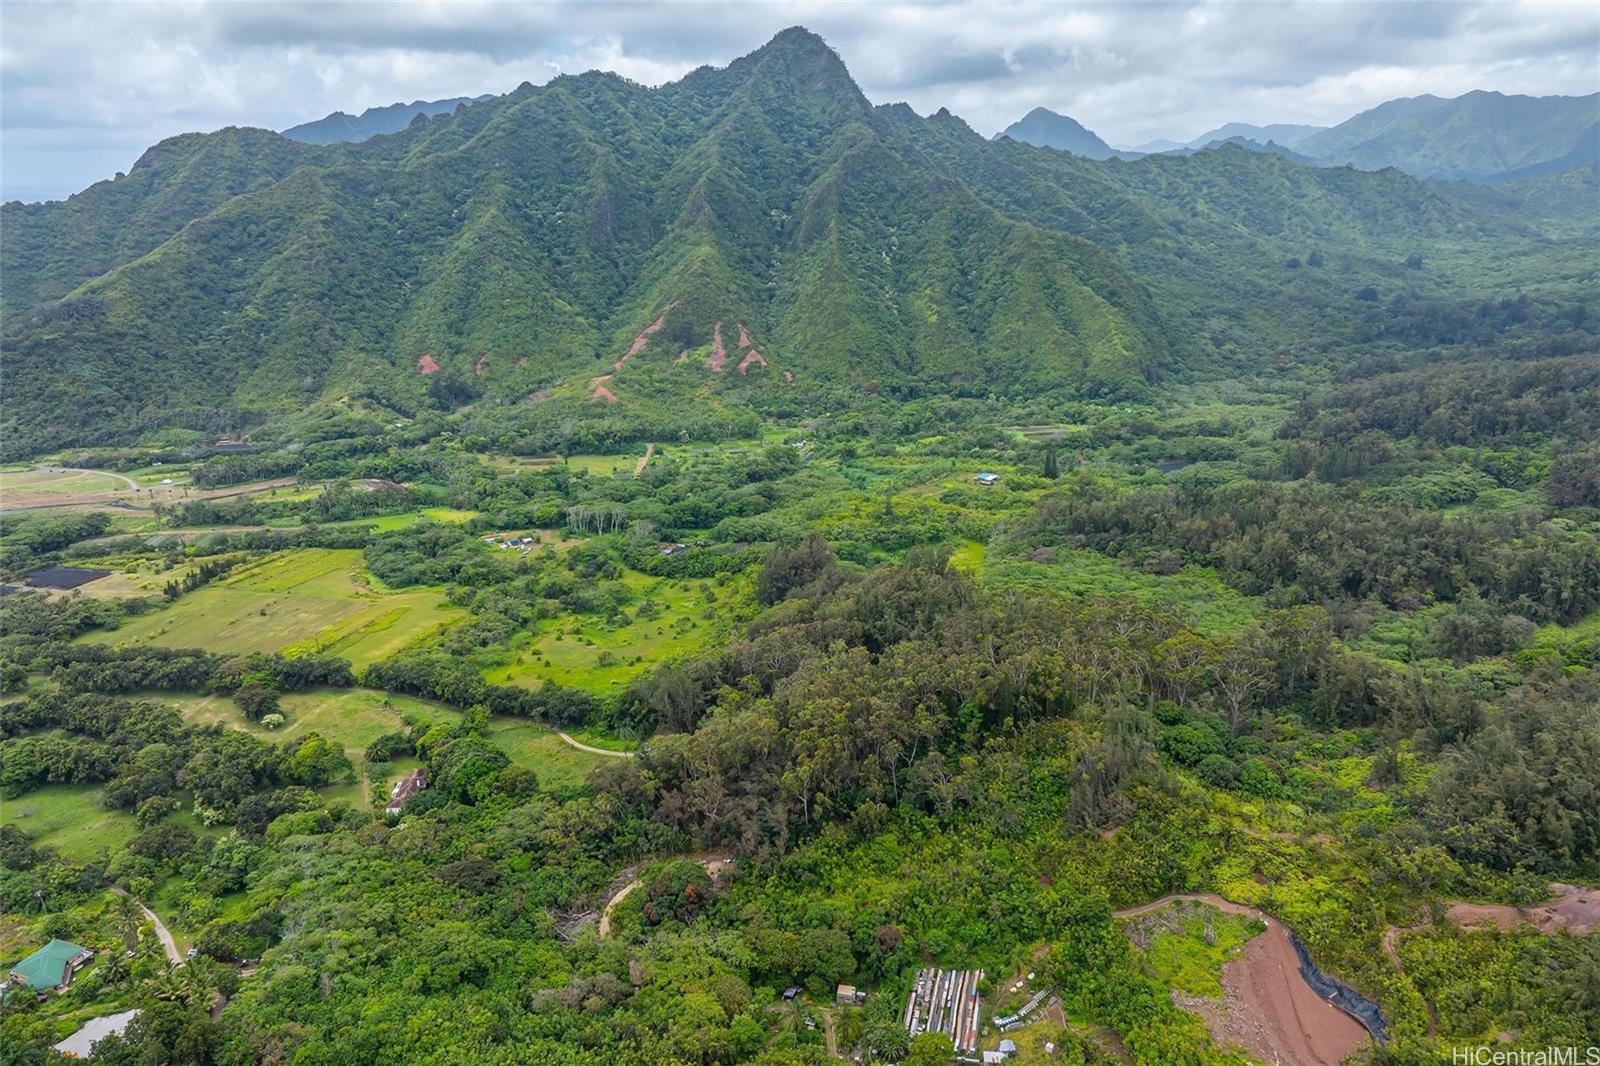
70 819
57 482
352 718
355 717
1195 593
303 601
586 652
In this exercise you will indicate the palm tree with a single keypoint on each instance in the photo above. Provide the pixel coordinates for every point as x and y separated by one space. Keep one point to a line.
129 918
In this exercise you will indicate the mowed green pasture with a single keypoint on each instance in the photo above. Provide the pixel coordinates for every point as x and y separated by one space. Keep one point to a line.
70 819
586 652
303 601
57 482
353 718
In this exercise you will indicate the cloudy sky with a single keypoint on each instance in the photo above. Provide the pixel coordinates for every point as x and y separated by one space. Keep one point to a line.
84 88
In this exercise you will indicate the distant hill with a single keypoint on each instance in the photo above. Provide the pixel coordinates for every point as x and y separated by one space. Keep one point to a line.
1285 133
1481 136
1046 129
340 127
1249 145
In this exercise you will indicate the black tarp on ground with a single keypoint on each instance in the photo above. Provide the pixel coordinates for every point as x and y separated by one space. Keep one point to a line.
1341 995
64 577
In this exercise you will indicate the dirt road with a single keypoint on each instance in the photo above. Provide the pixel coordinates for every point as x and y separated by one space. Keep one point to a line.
593 750
168 944
638 468
713 863
133 496
1267 1007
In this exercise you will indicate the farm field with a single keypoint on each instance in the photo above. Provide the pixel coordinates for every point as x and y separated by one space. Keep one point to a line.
355 717
56 481
585 652
306 600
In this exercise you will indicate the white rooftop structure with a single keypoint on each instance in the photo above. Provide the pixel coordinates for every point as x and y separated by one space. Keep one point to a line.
80 1044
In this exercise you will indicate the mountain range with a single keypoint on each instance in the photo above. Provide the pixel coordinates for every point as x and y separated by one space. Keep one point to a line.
337 127
1480 136
746 234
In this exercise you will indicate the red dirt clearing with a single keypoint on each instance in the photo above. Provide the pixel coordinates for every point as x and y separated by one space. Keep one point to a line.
601 392
744 337
426 364
719 352
644 336
1267 1008
753 359
1575 909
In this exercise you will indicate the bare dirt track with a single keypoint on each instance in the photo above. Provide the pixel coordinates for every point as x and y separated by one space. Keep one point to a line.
1267 1008
1575 909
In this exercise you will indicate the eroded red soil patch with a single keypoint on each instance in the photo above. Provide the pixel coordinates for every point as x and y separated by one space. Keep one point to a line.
744 337
426 364
1575 909
754 358
719 352
644 336
600 391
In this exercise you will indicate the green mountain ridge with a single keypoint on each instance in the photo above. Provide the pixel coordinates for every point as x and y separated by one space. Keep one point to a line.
1479 136
593 239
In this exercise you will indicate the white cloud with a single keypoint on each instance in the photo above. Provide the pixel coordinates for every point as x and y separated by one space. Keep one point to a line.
85 87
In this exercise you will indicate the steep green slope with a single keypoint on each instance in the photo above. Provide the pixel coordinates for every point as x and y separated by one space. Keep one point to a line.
50 249
1473 137
760 226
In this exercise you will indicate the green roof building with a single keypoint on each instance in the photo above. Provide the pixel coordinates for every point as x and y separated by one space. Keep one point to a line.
52 966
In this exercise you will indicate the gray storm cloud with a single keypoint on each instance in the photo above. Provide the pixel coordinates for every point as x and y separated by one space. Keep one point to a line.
85 88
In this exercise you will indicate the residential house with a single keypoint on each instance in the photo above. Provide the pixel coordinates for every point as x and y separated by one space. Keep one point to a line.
405 788
52 966
987 478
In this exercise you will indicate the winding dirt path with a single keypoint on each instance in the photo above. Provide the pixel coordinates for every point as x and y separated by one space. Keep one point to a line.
168 944
714 863
592 750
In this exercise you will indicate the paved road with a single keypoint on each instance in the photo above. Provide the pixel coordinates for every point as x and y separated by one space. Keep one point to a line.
170 945
593 750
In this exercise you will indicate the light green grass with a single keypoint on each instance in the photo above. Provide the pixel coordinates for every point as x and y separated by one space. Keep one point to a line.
70 819
303 601
353 718
1189 943
1194 593
568 649
68 483
969 556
